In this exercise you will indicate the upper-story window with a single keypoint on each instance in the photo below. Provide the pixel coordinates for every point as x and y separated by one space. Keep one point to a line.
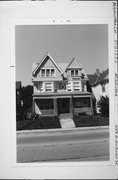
74 72
43 72
48 86
48 72
76 86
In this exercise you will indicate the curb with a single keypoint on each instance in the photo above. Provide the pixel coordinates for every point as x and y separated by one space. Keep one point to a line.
44 131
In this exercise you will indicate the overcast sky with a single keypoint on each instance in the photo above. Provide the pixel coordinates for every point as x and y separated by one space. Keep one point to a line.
87 43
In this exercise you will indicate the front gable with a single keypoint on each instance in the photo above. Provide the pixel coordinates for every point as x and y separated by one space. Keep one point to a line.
74 65
47 64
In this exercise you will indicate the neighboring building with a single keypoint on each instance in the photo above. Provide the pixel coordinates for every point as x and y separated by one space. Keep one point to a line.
100 84
60 88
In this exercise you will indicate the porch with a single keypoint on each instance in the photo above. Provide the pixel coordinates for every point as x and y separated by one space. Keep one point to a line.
57 104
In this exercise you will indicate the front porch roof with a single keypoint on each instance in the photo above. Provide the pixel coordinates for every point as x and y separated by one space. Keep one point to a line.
61 94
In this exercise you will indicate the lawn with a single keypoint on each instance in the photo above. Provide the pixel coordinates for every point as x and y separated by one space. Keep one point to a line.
87 121
51 122
44 122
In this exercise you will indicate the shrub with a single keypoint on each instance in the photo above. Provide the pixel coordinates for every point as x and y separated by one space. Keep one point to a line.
39 122
103 104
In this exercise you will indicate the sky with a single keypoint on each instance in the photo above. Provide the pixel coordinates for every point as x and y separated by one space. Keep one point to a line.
87 43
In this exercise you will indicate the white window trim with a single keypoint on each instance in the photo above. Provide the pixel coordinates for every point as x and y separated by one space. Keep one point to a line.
49 72
77 85
50 86
75 73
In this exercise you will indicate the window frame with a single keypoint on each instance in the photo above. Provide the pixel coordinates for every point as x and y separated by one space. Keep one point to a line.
75 73
49 74
48 86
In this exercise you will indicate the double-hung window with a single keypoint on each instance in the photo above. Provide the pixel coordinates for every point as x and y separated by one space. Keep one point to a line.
43 72
48 72
76 86
72 72
75 73
48 87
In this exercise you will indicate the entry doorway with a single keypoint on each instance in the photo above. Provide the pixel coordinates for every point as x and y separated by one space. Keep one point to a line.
63 105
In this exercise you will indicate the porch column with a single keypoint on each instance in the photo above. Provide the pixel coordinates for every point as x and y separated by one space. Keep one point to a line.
55 106
71 105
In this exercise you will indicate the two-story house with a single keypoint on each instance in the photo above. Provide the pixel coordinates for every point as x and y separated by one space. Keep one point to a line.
60 88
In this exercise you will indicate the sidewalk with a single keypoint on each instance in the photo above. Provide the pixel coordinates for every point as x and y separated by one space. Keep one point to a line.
59 130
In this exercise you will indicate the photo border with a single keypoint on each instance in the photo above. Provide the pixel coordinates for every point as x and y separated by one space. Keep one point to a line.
64 21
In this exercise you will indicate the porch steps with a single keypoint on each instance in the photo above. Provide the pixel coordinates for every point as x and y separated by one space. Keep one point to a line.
66 121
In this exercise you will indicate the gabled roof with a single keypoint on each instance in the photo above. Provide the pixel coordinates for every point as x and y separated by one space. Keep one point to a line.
95 79
74 64
43 60
103 76
63 66
18 85
92 78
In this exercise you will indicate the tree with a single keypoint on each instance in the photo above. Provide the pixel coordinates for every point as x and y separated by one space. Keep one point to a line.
26 96
103 104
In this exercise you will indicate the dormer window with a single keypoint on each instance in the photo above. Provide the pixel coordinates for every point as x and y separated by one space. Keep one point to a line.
74 72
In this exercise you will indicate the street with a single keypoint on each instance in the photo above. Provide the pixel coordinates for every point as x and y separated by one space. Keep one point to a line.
75 145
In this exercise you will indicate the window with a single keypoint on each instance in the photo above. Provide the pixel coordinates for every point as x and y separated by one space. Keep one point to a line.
69 86
76 86
72 72
45 104
81 102
48 72
52 72
48 86
75 73
43 72
61 86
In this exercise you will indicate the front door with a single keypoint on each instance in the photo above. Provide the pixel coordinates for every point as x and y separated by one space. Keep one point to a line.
63 105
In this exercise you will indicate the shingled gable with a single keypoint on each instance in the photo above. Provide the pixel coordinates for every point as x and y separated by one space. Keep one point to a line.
74 64
43 60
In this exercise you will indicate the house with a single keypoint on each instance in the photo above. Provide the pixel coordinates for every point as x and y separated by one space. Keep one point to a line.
60 88
100 84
